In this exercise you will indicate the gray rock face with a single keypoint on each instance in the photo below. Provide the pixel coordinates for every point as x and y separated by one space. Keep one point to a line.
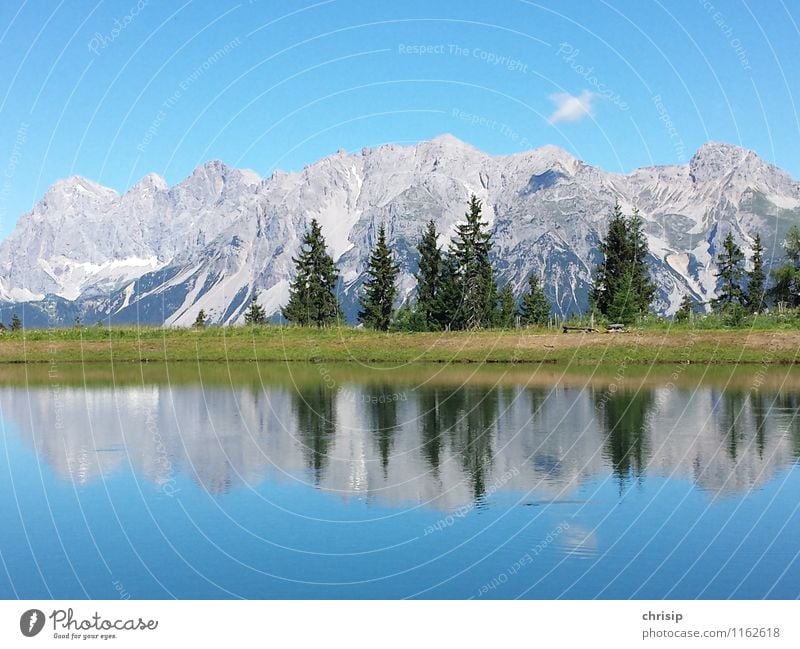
159 254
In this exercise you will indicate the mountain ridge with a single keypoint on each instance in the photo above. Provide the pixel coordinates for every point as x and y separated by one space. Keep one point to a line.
157 253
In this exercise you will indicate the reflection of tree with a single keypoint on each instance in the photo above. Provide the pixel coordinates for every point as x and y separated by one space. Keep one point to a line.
760 409
624 420
469 414
430 426
315 407
382 401
789 402
731 404
538 398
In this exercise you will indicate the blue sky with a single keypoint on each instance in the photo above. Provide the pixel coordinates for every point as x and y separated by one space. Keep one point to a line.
113 90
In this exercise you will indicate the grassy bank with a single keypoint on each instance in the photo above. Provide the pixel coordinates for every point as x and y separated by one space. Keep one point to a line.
649 345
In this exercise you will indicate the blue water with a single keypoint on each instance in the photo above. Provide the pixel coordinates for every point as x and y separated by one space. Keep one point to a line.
197 491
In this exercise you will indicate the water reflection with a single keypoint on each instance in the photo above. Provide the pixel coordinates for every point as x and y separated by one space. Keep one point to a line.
441 445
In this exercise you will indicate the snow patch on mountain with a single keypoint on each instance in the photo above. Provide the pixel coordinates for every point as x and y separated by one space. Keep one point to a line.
222 235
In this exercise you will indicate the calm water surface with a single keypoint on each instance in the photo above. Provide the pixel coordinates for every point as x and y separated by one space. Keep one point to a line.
344 482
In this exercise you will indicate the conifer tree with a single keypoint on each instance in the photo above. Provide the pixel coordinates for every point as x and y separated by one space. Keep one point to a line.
686 309
201 320
312 294
730 271
622 278
255 314
429 277
643 288
506 307
786 277
756 278
449 311
534 308
471 249
16 323
380 290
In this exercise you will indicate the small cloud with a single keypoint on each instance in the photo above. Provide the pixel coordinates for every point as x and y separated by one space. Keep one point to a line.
571 109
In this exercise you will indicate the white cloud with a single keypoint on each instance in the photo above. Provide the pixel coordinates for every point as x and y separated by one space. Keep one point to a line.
571 109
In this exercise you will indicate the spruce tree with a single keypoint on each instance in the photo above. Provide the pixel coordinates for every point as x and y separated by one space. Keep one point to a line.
534 308
201 320
643 288
471 249
429 277
16 323
506 307
786 277
625 306
730 271
449 311
312 294
685 310
380 289
255 314
756 278
622 288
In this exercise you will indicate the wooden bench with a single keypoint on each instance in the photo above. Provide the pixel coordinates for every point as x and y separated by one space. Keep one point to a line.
616 328
587 330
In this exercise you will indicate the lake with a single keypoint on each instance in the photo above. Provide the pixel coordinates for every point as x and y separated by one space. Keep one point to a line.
344 481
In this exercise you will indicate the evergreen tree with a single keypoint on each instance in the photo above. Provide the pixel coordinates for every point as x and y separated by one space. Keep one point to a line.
429 277
534 309
201 320
756 278
255 314
643 288
730 271
622 288
312 295
506 307
380 290
786 277
625 306
471 249
449 312
16 323
685 310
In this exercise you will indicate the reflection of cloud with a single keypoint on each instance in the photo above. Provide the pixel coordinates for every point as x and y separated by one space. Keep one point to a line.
579 542
571 109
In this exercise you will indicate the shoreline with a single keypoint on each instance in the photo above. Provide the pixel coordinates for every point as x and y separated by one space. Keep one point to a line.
665 346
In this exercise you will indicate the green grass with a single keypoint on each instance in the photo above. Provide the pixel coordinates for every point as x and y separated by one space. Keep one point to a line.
654 342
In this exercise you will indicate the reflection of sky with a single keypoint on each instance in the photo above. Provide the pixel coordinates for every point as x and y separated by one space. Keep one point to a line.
240 518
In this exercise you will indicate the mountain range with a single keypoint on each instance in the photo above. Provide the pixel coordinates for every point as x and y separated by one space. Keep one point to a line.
158 254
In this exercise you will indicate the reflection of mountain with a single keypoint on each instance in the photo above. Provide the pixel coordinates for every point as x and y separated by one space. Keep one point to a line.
442 446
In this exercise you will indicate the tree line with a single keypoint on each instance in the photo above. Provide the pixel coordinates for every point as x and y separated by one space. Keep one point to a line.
457 287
